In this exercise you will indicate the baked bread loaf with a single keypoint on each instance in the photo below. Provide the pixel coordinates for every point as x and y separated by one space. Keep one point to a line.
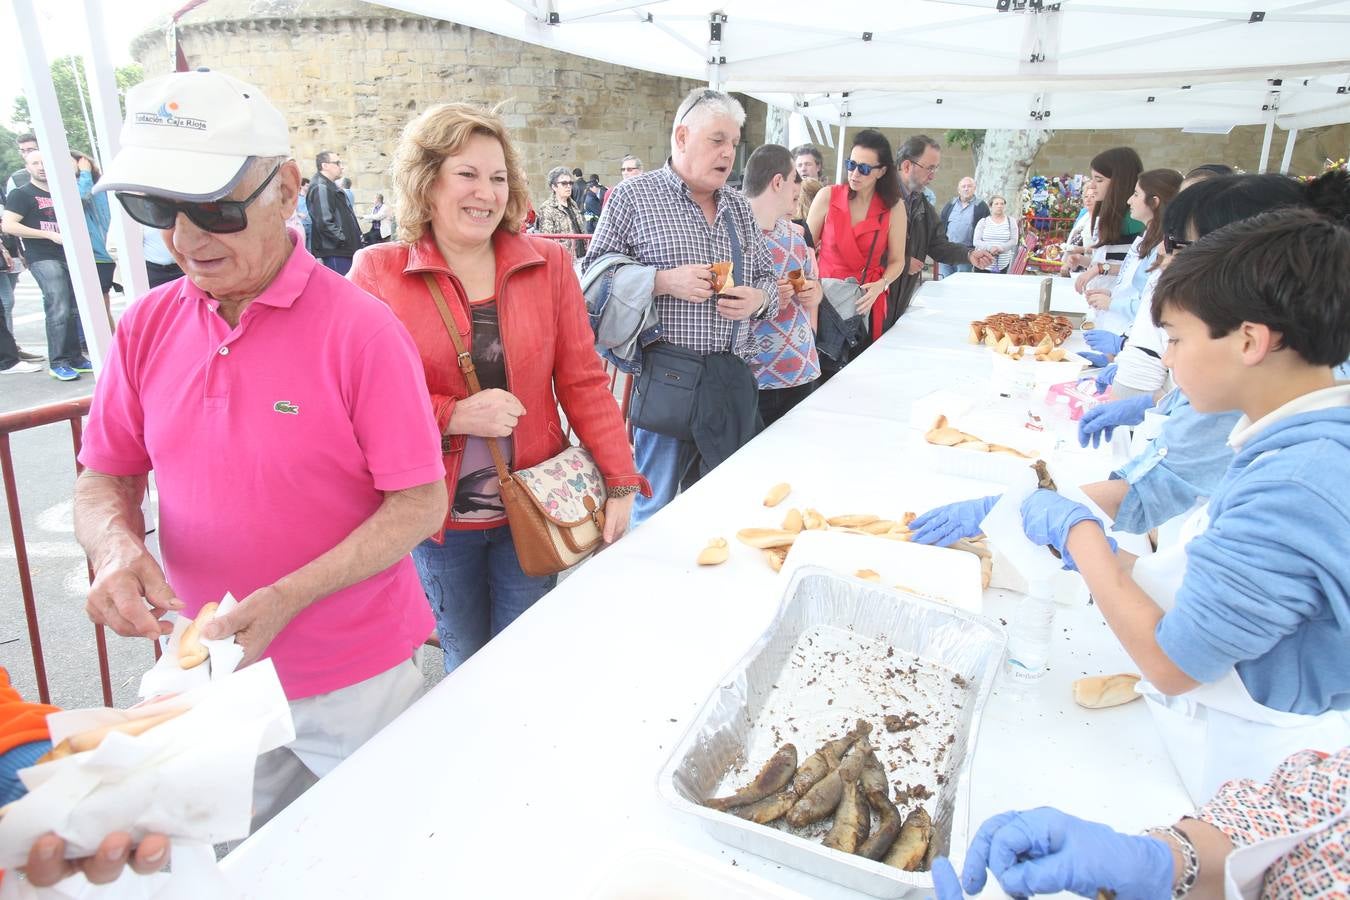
1102 691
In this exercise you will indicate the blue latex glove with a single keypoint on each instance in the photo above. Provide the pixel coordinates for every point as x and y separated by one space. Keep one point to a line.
943 525
1047 518
1104 341
1043 851
1105 377
945 883
1097 360
1100 422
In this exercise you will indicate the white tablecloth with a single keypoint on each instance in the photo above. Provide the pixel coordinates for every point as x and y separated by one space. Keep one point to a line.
533 766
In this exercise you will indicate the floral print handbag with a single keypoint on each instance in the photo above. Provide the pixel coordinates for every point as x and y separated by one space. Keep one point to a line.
555 509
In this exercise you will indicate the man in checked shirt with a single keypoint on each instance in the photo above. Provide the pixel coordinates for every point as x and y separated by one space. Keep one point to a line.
676 220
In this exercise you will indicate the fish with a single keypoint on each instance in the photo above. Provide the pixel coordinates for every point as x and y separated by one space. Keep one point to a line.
770 809
824 796
912 845
888 825
852 818
772 778
873 773
826 758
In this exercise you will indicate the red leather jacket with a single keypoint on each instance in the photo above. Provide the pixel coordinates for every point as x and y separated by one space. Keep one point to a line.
549 347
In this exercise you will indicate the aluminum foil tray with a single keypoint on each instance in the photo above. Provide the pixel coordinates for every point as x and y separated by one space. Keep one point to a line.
751 713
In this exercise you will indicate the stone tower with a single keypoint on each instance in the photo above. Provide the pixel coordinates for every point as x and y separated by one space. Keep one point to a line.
348 75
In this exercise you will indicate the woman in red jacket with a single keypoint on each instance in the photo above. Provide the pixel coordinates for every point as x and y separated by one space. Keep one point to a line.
518 307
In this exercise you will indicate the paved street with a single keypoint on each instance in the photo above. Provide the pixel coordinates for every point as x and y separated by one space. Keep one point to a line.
44 467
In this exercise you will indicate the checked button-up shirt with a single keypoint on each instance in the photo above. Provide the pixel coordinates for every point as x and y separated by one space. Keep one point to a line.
654 220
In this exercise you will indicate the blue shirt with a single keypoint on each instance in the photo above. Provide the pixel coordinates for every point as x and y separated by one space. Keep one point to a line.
1267 585
1183 464
97 216
961 221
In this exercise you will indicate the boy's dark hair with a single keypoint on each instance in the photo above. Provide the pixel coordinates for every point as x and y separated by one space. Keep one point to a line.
1288 269
766 162
808 150
26 138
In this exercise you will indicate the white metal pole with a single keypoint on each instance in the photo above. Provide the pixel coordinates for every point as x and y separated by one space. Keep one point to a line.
1288 158
1265 145
84 111
102 81
51 135
839 156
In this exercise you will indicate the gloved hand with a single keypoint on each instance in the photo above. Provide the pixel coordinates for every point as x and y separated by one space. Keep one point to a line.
1100 422
1043 851
943 525
1096 360
1104 341
1105 377
1047 518
945 884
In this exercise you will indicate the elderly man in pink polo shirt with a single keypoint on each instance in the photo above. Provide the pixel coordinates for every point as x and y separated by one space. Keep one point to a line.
283 412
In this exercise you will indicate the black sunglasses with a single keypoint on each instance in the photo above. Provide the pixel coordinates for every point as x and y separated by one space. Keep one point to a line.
1173 244
215 216
708 94
863 169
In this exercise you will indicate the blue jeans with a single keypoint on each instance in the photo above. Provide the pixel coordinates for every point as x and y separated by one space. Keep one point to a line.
944 270
7 299
339 264
58 302
669 465
476 588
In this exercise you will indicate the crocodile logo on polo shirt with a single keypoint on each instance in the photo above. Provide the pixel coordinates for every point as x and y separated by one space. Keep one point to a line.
287 407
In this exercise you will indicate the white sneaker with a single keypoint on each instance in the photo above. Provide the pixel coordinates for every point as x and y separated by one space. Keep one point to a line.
21 368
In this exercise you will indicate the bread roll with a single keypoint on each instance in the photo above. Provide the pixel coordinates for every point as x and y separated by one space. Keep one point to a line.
793 521
88 740
777 493
1102 691
766 538
191 653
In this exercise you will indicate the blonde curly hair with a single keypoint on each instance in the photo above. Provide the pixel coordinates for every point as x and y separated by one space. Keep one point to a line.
427 140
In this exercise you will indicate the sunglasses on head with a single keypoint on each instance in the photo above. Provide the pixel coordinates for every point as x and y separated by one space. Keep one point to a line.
1173 244
863 169
215 216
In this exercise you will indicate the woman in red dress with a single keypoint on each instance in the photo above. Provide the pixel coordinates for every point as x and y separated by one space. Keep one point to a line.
859 227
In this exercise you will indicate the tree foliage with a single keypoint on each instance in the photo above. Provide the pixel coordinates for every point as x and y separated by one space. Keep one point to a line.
10 160
68 94
967 139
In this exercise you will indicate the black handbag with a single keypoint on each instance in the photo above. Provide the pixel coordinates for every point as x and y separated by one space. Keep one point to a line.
839 327
665 393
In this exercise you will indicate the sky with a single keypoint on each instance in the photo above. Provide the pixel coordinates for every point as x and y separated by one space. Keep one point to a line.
63 34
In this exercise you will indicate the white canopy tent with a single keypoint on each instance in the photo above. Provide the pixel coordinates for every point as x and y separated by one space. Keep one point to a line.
1197 64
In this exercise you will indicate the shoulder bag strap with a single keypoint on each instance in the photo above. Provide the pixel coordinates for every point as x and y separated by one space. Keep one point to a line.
862 278
737 269
466 366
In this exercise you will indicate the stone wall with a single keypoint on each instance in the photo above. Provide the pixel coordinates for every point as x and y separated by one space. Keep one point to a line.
349 75
1071 151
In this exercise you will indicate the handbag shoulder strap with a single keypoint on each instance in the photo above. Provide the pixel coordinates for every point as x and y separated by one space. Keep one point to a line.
465 360
737 270
862 277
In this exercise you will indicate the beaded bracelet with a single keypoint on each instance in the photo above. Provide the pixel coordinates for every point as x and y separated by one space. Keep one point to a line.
1191 869
622 490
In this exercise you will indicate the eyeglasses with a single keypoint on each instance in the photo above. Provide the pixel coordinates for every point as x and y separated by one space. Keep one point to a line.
1173 244
931 170
215 216
335 162
708 94
567 183
863 169
630 168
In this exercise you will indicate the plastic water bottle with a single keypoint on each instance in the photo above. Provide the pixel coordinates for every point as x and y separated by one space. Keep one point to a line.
1029 638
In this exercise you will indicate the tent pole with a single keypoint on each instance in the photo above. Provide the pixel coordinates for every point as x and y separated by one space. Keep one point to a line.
102 81
1288 157
51 135
1265 146
839 156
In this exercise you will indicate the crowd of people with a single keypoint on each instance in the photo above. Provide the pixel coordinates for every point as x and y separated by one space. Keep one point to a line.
373 475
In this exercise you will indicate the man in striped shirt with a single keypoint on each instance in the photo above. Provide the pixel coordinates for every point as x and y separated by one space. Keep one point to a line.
677 219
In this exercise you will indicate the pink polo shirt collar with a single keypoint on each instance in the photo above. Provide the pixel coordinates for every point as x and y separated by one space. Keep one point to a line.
283 290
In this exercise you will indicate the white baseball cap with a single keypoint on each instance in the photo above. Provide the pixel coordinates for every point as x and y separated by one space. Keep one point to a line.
190 136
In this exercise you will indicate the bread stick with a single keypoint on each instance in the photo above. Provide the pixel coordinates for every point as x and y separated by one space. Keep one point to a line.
191 653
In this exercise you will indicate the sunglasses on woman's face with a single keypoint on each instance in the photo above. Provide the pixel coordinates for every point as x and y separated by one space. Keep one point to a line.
863 169
1173 244
215 216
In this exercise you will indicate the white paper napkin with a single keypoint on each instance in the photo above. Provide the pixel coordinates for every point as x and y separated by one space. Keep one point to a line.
168 677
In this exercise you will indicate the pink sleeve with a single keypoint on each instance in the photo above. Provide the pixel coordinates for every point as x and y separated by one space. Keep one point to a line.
114 437
390 412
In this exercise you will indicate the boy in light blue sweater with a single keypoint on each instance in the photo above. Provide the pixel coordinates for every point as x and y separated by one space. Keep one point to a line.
1257 315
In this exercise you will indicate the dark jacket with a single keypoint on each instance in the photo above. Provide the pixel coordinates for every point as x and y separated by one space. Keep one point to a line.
334 230
926 236
981 212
